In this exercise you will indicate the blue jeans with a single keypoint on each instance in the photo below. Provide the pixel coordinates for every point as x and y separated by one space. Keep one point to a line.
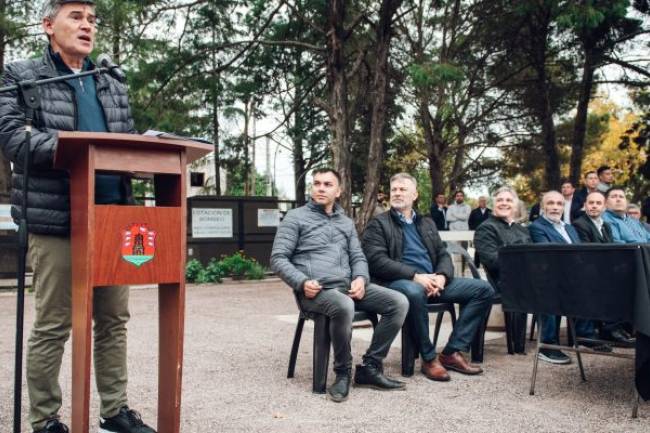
584 328
475 298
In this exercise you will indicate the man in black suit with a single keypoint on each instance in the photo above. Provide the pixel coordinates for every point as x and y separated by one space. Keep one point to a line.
480 214
572 203
591 184
592 229
590 226
439 212
476 217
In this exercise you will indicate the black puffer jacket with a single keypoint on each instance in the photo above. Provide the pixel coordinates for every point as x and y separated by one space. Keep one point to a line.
48 206
383 244
493 234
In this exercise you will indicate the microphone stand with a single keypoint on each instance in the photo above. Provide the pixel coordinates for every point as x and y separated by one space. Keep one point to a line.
29 98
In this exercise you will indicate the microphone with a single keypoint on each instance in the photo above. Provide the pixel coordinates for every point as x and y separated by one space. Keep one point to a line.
105 61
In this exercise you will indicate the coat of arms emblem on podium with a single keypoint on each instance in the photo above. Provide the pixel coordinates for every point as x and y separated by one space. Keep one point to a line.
138 244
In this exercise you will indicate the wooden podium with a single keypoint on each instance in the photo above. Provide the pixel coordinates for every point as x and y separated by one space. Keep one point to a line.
121 245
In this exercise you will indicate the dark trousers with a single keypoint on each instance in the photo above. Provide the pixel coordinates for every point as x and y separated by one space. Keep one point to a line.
339 307
584 328
474 297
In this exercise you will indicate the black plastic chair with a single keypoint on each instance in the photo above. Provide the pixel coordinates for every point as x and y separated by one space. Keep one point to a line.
409 348
321 347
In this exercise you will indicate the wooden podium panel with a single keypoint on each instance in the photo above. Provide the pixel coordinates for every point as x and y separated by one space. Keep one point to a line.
112 267
122 245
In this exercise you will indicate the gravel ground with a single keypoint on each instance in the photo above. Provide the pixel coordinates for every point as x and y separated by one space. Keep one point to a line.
237 342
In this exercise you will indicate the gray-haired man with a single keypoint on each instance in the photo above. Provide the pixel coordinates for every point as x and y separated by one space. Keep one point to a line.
97 104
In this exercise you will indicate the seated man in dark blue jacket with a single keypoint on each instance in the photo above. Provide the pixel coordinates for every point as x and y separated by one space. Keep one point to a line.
550 228
406 253
317 252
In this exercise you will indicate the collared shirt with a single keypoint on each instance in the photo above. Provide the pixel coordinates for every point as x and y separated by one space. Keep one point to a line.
414 252
626 230
598 222
560 227
566 216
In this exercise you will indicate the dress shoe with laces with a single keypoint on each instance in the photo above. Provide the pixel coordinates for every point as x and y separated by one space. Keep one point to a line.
368 375
340 389
435 371
457 362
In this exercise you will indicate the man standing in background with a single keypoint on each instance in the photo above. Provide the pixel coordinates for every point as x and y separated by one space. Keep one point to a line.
439 212
458 213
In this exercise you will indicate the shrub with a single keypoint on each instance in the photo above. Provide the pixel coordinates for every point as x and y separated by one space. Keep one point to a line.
237 266
192 270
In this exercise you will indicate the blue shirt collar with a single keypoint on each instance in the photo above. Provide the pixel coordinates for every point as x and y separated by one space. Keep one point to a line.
405 220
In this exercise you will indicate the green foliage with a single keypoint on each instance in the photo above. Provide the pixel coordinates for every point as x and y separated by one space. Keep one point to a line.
429 75
193 269
237 266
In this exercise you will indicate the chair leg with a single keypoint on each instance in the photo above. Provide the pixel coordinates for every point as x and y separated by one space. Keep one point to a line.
408 352
571 330
436 330
452 311
635 403
532 328
536 358
321 354
478 343
295 347
507 318
518 329
373 320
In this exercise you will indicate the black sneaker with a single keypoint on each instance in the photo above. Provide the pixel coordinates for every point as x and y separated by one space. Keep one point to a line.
340 389
126 421
371 376
554 356
53 426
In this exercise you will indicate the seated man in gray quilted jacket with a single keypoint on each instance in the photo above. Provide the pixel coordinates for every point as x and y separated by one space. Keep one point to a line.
91 103
317 252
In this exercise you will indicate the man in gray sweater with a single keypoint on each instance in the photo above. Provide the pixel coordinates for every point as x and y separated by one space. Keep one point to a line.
317 252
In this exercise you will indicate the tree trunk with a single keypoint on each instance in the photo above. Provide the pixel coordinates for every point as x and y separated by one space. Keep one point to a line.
247 190
378 117
215 118
580 123
297 139
338 100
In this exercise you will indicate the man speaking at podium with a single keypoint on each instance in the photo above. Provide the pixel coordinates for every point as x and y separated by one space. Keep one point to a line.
91 103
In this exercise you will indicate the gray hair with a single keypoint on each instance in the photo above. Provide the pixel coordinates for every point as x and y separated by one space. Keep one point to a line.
52 7
633 206
403 175
506 188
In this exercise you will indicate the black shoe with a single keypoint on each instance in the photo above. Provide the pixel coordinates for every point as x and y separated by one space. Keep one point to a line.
53 426
619 337
340 389
596 346
126 421
554 356
371 376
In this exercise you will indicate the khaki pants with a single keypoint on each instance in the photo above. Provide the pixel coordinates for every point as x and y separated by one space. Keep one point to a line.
50 259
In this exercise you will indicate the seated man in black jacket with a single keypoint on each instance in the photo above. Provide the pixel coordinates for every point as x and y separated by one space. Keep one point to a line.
499 230
405 253
593 229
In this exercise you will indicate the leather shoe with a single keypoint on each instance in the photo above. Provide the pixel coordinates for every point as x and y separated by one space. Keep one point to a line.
619 338
457 362
340 389
435 371
369 375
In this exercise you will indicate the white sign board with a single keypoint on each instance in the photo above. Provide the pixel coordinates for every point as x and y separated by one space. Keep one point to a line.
268 217
6 222
211 223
